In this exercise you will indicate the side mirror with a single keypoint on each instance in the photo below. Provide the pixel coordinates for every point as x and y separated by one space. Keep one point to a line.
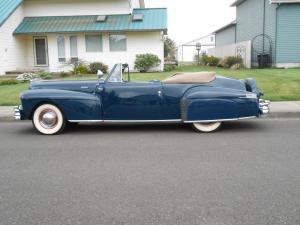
99 74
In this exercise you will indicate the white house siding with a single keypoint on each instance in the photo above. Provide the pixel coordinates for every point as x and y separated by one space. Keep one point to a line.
12 50
186 53
137 43
135 3
75 7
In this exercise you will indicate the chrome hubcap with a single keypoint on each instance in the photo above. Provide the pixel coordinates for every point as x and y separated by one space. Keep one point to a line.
48 119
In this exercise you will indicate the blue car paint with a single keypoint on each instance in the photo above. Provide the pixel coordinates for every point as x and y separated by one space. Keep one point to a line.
132 101
217 103
73 104
220 99
87 86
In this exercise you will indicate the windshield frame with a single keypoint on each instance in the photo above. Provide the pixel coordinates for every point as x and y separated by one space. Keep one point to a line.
111 73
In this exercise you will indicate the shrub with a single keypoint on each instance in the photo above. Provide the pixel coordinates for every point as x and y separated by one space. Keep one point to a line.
8 82
169 68
210 60
229 61
95 66
81 69
45 75
144 62
63 74
48 77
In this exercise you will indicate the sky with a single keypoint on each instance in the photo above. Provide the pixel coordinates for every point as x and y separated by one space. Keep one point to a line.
191 19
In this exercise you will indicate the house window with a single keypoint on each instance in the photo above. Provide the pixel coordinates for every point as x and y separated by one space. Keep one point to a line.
117 42
73 49
61 49
93 43
211 39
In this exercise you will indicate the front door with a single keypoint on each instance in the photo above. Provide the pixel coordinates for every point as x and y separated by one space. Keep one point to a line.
132 101
40 51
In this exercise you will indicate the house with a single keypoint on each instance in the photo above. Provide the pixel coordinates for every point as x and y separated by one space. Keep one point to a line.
45 34
267 30
187 51
226 34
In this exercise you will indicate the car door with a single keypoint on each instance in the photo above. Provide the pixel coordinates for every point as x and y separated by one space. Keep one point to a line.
132 101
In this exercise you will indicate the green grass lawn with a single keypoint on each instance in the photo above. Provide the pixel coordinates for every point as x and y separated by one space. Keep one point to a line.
278 84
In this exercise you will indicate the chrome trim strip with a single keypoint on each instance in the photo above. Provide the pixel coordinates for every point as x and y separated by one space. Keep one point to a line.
123 121
141 121
85 121
221 120
247 97
158 121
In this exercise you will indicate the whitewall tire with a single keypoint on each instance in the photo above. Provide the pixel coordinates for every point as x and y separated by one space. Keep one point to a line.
48 119
207 127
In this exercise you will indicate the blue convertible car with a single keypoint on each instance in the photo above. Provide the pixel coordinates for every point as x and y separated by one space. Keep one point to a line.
201 99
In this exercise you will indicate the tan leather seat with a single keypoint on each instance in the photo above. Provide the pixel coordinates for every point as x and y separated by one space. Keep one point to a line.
191 78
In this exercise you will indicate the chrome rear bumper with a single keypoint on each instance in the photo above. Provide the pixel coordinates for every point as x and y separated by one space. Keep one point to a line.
264 106
17 113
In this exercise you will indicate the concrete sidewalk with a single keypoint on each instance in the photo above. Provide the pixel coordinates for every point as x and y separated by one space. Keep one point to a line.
278 110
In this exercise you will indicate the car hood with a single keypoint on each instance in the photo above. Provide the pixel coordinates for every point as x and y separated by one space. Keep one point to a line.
71 85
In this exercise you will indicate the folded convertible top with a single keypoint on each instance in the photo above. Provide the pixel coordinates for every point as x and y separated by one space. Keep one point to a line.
191 78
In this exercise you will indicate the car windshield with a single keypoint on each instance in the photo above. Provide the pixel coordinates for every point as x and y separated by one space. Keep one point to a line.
116 74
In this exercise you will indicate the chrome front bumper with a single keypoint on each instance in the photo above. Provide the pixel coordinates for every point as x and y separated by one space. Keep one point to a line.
18 110
264 106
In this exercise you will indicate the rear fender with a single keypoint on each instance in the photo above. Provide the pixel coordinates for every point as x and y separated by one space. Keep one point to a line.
211 103
209 109
74 105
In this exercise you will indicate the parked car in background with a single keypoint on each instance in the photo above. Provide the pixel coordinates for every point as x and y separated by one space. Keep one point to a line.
201 99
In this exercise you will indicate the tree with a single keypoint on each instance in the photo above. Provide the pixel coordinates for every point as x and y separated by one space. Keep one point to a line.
169 48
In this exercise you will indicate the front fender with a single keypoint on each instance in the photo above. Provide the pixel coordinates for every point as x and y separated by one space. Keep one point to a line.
74 105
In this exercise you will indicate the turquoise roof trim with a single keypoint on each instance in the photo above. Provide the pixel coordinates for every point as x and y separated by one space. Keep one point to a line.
153 19
7 7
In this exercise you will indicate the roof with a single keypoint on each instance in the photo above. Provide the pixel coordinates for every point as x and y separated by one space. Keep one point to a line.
284 1
198 39
238 2
153 20
7 7
233 23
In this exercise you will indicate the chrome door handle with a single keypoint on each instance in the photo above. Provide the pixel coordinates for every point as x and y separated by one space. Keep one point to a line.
159 93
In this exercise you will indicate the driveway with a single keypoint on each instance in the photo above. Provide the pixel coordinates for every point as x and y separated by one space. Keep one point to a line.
246 174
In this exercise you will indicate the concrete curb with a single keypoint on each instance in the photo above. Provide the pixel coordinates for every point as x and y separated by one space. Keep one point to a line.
284 115
7 119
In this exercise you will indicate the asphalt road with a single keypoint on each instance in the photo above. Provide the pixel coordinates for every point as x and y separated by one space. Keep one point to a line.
246 174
